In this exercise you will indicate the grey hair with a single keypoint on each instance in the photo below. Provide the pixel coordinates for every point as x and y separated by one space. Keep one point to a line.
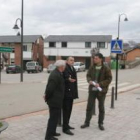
60 63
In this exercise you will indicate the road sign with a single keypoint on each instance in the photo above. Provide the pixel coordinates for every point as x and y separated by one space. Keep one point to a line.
116 46
6 49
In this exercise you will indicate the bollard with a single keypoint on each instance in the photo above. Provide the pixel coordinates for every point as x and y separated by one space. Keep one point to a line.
94 108
60 119
112 98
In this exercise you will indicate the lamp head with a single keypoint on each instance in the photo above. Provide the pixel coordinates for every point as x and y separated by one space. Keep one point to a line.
126 19
18 34
16 28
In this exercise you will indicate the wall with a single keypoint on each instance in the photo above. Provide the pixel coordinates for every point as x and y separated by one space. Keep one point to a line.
46 62
38 50
17 53
131 56
74 49
26 54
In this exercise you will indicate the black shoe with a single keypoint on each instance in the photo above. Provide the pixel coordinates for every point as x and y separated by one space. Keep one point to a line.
51 138
71 127
101 127
68 132
84 125
56 134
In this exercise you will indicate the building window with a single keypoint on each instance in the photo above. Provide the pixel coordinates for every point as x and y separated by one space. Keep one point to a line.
52 44
88 44
64 44
101 45
52 58
64 57
24 47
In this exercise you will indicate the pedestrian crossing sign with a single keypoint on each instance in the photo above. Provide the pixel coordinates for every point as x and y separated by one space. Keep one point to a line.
116 46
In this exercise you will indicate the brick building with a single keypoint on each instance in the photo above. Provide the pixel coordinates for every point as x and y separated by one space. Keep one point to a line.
131 55
33 49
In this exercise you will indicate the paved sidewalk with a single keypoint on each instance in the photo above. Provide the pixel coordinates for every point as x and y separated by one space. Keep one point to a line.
121 123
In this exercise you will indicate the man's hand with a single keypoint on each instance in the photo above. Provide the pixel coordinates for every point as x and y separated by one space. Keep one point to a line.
72 80
90 83
44 97
97 85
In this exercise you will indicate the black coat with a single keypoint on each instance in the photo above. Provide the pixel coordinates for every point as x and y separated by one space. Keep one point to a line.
71 89
54 93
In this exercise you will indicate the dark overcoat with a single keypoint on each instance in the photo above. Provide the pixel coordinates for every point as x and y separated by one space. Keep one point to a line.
71 89
54 93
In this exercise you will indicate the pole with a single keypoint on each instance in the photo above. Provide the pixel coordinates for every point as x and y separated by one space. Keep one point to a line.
21 76
119 26
112 98
116 77
0 67
116 87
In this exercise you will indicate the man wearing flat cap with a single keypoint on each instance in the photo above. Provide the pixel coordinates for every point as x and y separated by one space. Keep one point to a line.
54 95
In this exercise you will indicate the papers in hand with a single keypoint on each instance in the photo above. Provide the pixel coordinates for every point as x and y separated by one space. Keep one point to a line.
99 88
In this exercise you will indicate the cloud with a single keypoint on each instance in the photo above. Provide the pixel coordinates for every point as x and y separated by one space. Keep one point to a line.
72 17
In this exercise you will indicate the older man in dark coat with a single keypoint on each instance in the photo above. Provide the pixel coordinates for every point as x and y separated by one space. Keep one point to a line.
71 93
54 95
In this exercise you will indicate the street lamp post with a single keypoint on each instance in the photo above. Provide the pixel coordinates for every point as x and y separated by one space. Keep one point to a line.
16 28
119 19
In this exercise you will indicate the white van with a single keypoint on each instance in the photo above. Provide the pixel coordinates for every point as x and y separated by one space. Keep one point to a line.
33 66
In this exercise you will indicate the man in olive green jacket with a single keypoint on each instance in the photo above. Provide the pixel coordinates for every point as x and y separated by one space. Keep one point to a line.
99 77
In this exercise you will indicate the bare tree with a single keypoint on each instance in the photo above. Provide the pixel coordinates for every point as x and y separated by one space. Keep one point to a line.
132 43
94 51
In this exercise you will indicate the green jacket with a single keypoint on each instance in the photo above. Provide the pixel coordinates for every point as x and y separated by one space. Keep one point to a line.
104 79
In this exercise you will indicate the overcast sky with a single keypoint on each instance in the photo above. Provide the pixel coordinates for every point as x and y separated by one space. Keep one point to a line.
72 17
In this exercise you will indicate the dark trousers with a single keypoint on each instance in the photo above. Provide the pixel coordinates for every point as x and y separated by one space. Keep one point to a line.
91 99
52 122
67 109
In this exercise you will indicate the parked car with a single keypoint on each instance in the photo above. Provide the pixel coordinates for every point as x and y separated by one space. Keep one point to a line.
107 64
33 66
13 69
79 66
50 68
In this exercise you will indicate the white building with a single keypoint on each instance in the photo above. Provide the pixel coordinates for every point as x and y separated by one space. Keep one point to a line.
79 46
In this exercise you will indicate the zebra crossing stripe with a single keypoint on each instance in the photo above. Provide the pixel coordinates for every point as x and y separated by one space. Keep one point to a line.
129 87
83 89
122 89
44 82
85 83
110 87
113 82
120 85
